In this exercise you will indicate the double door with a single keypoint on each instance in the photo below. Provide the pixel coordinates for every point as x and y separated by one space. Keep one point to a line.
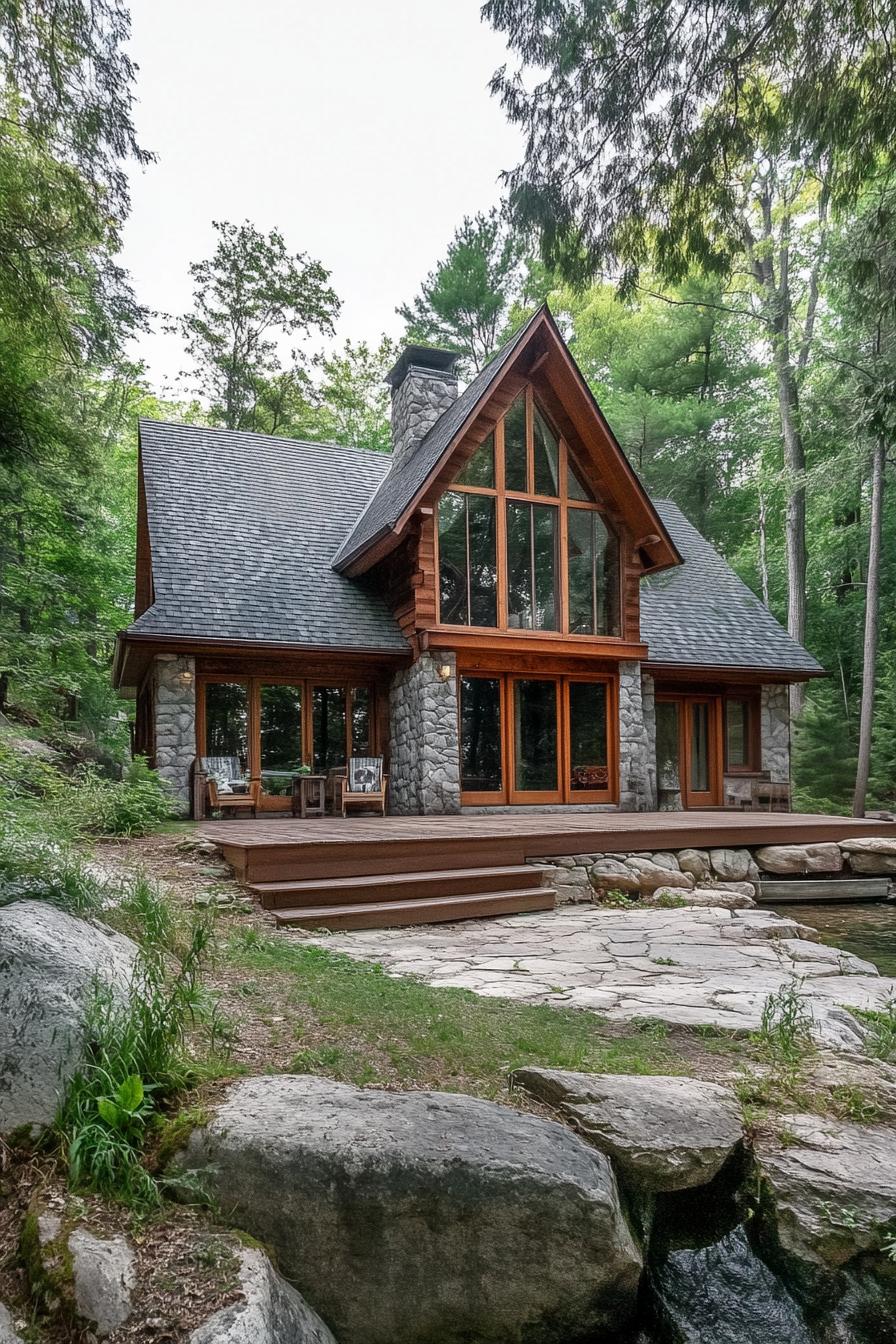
688 754
536 740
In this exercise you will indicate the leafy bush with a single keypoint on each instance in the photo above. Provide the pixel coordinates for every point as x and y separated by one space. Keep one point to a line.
91 804
137 1060
35 868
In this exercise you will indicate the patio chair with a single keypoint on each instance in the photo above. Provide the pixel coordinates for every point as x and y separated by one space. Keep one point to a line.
229 792
363 787
768 797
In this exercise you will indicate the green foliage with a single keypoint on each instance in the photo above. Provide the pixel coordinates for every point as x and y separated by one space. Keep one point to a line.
138 1059
90 804
32 867
880 1028
249 292
785 1031
463 303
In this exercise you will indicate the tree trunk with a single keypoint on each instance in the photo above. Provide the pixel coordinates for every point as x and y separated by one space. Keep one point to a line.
763 546
795 523
872 614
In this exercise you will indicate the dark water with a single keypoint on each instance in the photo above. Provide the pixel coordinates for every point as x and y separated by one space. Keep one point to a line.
869 931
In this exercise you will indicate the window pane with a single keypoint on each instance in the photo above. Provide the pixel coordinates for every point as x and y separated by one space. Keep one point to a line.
699 748
737 732
453 559
227 720
480 470
535 736
547 457
515 477
544 518
668 769
480 735
580 571
360 721
483 566
606 572
519 565
574 487
281 736
588 735
328 721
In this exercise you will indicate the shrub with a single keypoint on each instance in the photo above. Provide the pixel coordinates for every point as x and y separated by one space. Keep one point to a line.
91 804
137 1060
35 868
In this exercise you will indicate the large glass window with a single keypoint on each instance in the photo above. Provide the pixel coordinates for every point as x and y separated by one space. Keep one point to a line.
468 578
360 721
480 735
740 733
227 720
535 736
589 770
593 574
531 566
281 736
328 728
502 492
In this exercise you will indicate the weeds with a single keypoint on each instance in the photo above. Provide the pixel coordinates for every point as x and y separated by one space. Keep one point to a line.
785 1030
619 899
37 869
880 1030
92 804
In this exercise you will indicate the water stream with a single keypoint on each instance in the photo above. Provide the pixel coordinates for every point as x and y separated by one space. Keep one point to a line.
869 930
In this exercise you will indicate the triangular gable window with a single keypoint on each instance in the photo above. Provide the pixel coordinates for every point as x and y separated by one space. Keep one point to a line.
480 470
574 487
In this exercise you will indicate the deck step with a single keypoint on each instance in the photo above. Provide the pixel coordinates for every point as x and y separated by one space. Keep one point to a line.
425 910
403 886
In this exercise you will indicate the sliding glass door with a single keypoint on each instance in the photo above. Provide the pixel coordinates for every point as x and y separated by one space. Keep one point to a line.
688 739
536 740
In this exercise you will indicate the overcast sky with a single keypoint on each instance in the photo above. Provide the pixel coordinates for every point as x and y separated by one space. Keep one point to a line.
362 129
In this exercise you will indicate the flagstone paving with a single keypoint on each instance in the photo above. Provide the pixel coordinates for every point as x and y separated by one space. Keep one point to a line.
688 966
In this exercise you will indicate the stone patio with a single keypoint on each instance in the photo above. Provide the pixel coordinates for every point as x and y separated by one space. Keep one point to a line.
690 966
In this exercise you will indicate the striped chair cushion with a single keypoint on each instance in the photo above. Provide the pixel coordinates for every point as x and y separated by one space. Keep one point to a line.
365 774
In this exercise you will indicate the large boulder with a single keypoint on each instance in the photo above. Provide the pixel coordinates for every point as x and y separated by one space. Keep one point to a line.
411 1217
665 1133
874 854
50 963
270 1310
651 875
824 858
77 1276
696 862
613 875
832 1187
723 897
732 865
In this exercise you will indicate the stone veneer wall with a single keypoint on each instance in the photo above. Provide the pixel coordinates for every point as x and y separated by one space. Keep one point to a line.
424 767
648 709
417 403
637 764
775 732
174 698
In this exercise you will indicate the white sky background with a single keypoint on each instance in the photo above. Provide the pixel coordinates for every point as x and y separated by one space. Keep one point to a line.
363 131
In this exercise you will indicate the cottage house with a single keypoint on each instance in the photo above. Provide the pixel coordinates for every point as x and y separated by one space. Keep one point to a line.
497 607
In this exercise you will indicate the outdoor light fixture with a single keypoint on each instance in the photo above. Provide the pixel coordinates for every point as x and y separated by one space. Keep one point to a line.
185 677
444 671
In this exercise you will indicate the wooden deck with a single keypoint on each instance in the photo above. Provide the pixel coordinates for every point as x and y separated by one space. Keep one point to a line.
367 871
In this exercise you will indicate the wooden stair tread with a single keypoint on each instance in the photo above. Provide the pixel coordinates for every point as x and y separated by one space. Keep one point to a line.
398 879
422 910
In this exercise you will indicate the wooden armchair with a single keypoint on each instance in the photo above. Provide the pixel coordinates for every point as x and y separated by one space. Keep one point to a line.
363 787
217 770
768 797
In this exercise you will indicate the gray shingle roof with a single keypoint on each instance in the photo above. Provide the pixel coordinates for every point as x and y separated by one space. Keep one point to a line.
402 483
243 530
702 614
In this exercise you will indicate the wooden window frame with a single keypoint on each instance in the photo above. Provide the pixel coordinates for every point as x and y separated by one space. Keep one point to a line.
253 684
564 795
562 502
711 798
753 736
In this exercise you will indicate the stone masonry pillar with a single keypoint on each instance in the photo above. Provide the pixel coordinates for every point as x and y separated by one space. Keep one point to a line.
635 793
775 732
174 700
424 769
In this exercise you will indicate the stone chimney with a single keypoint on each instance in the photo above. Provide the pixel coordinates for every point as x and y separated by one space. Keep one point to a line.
424 385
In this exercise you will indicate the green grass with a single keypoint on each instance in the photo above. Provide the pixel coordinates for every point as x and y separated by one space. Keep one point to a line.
357 1024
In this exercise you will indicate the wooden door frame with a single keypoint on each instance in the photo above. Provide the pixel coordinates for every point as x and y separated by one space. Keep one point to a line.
691 800
535 797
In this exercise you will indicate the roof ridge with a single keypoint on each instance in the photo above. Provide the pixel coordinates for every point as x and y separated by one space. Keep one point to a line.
267 438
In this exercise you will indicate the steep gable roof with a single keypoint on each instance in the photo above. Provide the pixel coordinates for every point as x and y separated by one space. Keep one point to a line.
243 529
702 615
409 478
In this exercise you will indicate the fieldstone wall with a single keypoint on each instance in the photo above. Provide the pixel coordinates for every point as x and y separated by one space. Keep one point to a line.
424 770
637 761
648 710
775 732
417 403
174 698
